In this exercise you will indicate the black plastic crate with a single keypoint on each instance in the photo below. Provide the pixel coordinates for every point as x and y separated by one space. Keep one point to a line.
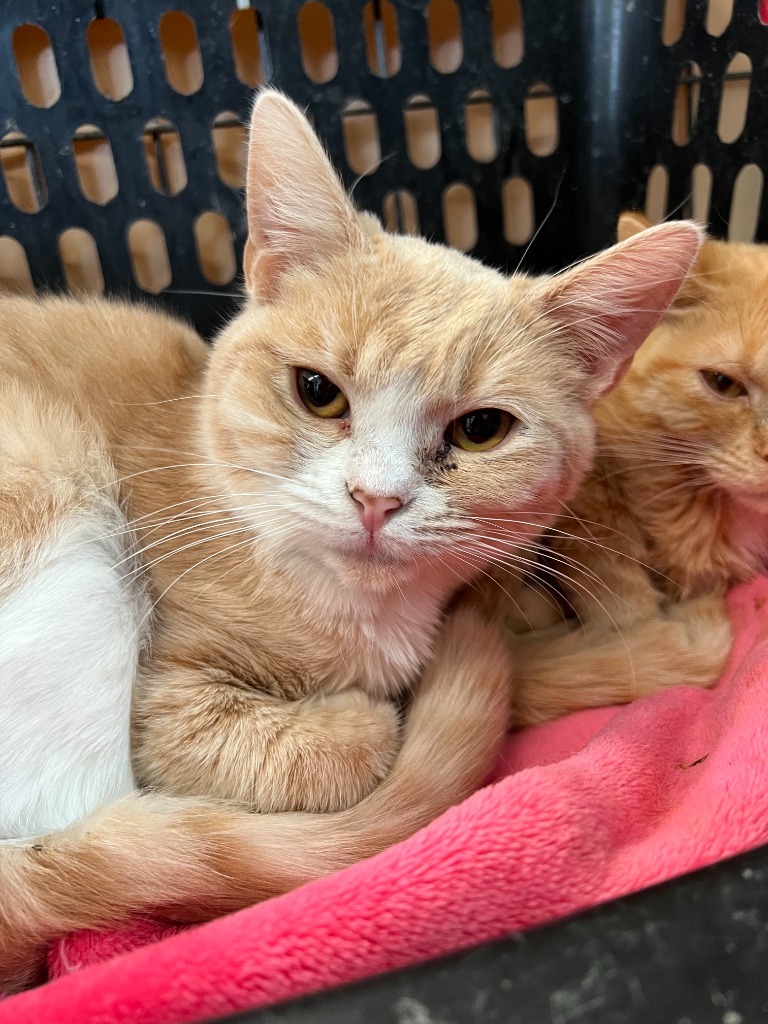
515 129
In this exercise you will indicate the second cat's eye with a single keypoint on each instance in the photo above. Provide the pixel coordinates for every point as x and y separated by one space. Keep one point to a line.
320 395
480 430
722 384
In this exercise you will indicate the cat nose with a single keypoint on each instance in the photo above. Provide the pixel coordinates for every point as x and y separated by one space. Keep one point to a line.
374 509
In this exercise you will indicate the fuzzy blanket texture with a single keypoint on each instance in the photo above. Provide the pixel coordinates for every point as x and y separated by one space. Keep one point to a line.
584 810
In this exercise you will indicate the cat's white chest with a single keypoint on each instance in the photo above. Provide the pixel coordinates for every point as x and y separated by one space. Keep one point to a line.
382 641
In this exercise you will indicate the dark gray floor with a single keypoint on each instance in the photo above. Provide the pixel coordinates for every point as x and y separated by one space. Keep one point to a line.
693 951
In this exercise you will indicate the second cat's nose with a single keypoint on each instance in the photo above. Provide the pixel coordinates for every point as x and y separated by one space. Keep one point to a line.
375 509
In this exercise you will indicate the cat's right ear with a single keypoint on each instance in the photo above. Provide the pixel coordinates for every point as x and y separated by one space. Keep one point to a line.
299 214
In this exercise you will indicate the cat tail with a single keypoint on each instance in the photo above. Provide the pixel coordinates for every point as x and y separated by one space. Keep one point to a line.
190 859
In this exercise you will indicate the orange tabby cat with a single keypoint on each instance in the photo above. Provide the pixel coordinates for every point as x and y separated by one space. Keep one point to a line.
305 500
676 508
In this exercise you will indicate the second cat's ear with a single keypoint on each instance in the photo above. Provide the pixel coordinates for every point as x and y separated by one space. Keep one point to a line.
299 214
630 223
604 308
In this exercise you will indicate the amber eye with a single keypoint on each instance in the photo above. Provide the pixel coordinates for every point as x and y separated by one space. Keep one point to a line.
480 430
722 385
320 395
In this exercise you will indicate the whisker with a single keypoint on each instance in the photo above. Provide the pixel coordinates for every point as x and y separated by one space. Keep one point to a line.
224 516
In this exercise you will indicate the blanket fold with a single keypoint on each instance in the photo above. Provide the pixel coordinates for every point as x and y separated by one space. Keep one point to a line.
586 809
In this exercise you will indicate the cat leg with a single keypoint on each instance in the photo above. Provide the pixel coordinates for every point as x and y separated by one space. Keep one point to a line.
201 732
70 631
689 645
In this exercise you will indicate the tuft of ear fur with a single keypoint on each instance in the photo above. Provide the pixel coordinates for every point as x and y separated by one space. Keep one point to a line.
604 308
299 213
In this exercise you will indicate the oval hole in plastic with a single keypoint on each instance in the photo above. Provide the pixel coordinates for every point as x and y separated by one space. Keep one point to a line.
507 32
110 63
480 126
95 164
230 147
422 132
460 216
687 96
80 262
673 21
719 14
656 194
382 38
401 214
446 49
15 276
181 52
360 128
317 39
149 256
541 120
701 192
250 46
164 156
215 251
23 172
36 65
745 204
734 99
517 205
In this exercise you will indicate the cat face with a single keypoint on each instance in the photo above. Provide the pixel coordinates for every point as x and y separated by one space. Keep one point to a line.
702 376
384 407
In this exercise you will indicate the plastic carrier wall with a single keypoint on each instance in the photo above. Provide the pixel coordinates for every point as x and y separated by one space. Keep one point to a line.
513 129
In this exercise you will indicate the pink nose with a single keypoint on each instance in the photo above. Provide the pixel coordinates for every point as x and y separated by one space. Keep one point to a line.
374 509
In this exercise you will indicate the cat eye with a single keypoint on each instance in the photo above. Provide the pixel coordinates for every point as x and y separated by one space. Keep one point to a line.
722 385
320 395
479 430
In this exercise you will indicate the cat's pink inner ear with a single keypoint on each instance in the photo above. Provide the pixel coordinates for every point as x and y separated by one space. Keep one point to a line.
607 306
299 214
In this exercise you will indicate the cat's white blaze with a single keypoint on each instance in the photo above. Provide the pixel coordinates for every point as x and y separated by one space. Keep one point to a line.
70 639
386 630
389 429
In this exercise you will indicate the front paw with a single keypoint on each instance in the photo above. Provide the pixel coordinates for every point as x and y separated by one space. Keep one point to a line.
345 745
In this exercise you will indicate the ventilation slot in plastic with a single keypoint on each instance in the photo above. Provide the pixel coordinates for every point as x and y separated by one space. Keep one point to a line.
95 164
460 216
36 65
382 38
80 262
149 256
181 52
110 64
317 38
23 172
165 157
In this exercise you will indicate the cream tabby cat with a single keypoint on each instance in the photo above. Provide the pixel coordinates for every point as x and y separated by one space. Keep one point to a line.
305 500
676 508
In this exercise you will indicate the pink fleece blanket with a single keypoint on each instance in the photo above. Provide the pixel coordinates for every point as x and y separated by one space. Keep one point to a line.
586 809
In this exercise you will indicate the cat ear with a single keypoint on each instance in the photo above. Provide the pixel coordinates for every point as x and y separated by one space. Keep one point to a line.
604 308
630 223
694 289
299 213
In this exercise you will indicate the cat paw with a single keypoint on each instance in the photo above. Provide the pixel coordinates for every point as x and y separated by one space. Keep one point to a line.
345 745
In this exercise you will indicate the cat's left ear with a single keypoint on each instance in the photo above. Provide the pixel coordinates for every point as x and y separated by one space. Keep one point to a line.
299 214
604 308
